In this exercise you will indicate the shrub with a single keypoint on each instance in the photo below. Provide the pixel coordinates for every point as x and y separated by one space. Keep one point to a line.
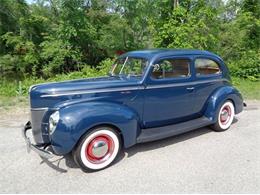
16 88
248 66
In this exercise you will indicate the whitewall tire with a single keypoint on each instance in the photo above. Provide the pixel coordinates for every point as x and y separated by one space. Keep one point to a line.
98 149
225 117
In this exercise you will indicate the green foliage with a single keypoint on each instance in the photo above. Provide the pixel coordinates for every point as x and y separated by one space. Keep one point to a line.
231 30
22 56
248 66
14 88
59 56
71 38
249 89
185 28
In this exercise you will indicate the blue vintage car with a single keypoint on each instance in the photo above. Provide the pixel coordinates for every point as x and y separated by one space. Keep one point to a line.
148 95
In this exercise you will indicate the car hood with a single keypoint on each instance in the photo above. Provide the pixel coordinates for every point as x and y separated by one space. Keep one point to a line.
43 93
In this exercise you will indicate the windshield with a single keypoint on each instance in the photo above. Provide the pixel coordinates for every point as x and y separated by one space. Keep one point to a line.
129 66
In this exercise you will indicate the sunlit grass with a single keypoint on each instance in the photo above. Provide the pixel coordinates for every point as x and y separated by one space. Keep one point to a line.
249 89
7 102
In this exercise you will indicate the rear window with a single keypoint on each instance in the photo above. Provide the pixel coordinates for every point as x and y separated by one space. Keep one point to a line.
206 67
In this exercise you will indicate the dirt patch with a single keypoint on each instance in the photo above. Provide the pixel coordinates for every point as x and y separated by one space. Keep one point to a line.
14 116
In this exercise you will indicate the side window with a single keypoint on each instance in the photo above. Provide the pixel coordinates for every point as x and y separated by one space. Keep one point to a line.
171 68
206 67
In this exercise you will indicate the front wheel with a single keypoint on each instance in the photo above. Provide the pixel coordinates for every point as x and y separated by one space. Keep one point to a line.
97 149
225 117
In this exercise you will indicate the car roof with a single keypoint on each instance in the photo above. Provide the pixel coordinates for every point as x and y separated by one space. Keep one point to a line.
150 53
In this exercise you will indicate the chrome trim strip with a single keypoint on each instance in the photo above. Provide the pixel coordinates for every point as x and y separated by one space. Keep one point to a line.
39 109
94 91
133 88
183 84
71 80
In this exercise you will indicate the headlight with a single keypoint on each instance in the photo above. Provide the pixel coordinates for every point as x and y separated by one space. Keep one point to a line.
53 121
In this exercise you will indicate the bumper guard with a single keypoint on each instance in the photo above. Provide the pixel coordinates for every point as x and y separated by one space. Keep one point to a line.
39 150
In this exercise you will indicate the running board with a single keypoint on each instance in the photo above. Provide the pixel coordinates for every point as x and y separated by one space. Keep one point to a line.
157 133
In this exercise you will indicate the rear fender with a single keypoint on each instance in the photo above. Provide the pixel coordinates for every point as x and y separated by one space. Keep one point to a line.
219 97
76 120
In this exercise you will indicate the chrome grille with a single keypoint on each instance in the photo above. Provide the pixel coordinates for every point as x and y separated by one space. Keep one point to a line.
36 119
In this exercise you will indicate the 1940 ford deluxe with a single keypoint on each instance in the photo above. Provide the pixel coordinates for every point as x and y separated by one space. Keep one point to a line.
148 95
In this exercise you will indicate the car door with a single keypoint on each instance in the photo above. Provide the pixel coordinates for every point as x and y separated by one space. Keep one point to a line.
169 92
208 75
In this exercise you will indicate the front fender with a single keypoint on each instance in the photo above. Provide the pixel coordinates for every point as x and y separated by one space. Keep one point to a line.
221 95
76 120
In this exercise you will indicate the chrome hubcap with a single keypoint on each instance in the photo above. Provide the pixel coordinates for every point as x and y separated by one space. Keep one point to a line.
99 149
224 115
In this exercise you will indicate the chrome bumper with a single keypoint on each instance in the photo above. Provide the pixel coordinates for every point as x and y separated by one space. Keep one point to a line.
40 150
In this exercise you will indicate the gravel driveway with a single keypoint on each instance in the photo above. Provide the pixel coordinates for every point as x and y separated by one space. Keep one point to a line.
201 161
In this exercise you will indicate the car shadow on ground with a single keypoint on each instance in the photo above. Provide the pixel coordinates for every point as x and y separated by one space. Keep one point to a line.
56 164
69 162
143 147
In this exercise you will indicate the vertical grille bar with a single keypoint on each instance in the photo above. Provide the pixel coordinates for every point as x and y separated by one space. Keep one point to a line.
37 117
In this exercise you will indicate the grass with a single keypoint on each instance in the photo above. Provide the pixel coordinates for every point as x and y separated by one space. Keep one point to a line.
10 102
250 90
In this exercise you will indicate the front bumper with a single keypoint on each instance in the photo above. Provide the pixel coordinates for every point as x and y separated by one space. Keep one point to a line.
41 150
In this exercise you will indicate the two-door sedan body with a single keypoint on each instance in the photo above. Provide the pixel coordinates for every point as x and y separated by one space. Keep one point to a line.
148 95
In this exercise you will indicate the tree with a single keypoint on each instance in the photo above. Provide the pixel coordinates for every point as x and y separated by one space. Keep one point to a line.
50 37
188 27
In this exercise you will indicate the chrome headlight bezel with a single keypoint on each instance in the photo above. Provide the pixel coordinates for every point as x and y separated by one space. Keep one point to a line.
53 121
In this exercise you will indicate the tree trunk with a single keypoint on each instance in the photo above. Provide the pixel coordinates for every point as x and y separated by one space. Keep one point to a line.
175 4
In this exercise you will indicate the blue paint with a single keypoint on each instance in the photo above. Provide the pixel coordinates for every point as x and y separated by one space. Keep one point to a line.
132 104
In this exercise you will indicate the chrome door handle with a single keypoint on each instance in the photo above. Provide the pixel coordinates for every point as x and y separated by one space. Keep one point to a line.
125 92
190 88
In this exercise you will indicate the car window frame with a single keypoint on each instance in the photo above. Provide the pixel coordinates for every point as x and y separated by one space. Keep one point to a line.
136 57
189 76
207 75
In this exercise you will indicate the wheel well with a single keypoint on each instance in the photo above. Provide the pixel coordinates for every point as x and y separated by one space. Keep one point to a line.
111 126
101 125
229 99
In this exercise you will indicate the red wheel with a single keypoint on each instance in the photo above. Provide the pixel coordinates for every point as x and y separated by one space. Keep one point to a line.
225 116
98 149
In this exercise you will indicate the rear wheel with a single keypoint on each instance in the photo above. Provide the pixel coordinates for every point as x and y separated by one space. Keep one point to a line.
225 116
98 149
